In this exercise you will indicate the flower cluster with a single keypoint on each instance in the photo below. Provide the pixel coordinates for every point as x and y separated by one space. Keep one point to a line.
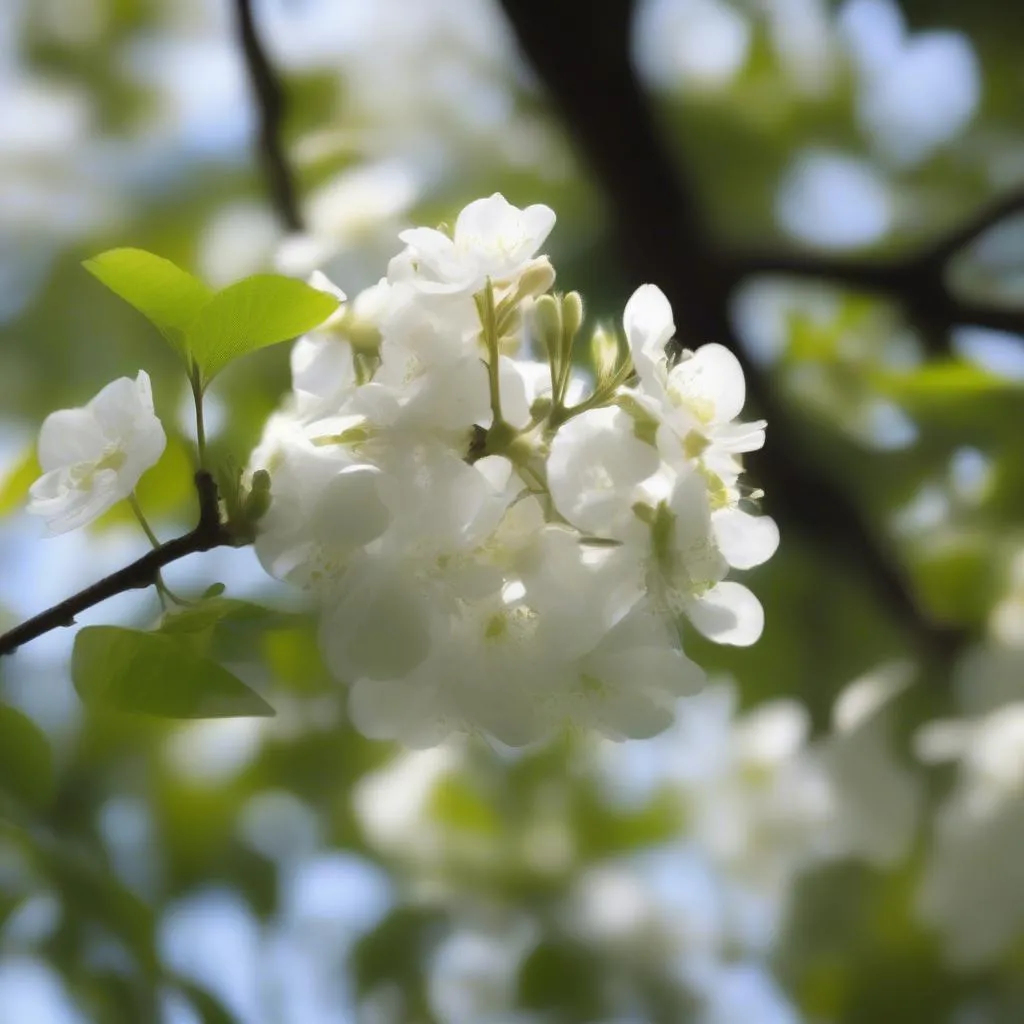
495 546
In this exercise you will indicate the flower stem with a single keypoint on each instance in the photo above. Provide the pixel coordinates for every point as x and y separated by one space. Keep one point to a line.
146 528
162 589
197 396
489 323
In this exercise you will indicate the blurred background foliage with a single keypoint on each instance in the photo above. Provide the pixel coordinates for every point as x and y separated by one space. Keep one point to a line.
797 848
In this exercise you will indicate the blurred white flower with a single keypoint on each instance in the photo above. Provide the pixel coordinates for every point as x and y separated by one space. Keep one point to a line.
972 891
878 800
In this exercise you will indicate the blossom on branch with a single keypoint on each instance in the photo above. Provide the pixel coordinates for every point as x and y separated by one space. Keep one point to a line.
93 457
496 548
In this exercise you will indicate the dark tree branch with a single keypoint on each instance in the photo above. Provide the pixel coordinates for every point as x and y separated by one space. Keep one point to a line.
918 282
580 51
270 104
208 533
991 214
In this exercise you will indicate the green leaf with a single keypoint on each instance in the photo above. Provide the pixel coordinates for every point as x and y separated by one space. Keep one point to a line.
169 297
155 674
26 765
252 313
213 611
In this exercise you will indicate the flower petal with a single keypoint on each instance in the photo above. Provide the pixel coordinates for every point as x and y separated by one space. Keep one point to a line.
69 436
712 380
728 614
744 540
649 325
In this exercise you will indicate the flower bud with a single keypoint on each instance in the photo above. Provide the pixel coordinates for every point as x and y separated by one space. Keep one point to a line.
572 314
547 321
537 279
604 351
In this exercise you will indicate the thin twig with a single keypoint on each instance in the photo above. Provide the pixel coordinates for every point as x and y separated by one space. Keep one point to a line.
208 533
270 102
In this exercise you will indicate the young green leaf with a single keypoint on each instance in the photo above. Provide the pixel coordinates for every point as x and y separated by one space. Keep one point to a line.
155 674
252 313
26 765
169 297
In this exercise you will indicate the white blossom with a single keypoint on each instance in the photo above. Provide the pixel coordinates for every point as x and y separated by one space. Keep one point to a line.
490 556
492 239
93 457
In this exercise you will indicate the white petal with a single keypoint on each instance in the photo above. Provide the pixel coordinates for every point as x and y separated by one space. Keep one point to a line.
69 436
711 379
538 220
632 716
143 449
649 325
728 614
515 402
436 254
744 540
349 511
594 463
740 437
123 404
378 627
65 507
484 218
322 366
405 711
655 669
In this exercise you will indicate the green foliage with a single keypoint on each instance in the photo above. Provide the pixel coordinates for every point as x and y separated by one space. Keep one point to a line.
251 314
210 330
169 297
152 674
26 764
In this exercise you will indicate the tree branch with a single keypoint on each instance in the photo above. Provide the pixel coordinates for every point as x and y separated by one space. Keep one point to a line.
208 533
580 51
917 282
270 103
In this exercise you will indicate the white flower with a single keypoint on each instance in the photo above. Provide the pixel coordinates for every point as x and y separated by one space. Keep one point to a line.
695 399
325 504
594 468
492 239
686 569
510 581
93 457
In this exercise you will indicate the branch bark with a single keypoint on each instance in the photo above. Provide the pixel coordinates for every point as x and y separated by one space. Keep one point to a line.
270 103
208 533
